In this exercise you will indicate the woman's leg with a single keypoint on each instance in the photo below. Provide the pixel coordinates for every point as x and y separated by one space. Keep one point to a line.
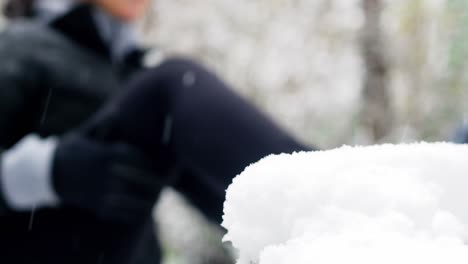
185 117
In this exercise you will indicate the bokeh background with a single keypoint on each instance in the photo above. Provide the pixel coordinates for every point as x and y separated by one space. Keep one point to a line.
332 72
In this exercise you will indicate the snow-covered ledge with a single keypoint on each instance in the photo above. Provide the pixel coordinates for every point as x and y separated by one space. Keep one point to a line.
404 204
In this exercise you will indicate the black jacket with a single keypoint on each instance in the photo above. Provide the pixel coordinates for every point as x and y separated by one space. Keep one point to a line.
52 78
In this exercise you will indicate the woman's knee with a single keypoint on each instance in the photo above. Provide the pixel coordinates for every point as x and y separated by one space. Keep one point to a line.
174 79
169 76
164 81
184 71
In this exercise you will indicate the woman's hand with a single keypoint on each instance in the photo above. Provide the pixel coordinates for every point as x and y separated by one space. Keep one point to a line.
114 180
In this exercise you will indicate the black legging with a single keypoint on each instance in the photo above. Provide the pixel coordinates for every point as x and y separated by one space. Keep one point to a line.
187 119
184 115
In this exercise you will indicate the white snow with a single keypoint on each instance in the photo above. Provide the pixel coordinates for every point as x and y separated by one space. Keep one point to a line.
402 204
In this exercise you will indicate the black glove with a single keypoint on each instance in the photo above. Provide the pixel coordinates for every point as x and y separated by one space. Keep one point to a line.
113 180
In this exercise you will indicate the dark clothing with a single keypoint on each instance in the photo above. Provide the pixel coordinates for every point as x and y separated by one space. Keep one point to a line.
51 80
178 113
200 126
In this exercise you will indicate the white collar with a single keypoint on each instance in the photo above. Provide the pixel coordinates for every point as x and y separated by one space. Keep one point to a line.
122 37
48 10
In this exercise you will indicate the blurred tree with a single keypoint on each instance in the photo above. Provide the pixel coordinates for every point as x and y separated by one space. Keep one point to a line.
377 113
458 53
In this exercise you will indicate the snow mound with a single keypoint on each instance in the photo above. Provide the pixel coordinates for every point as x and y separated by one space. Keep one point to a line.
383 204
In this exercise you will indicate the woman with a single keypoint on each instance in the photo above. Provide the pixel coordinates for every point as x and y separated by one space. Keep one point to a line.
78 184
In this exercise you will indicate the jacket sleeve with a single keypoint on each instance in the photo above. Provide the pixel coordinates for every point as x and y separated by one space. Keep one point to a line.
20 100
3 205
19 91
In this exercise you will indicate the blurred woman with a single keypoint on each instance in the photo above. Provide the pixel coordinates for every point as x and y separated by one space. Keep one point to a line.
90 137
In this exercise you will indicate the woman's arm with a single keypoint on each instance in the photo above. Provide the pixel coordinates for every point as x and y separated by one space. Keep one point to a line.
19 101
14 120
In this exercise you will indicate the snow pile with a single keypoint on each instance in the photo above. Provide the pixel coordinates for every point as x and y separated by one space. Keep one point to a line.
384 204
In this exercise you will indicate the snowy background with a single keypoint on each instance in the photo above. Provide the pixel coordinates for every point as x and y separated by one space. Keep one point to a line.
302 61
309 64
